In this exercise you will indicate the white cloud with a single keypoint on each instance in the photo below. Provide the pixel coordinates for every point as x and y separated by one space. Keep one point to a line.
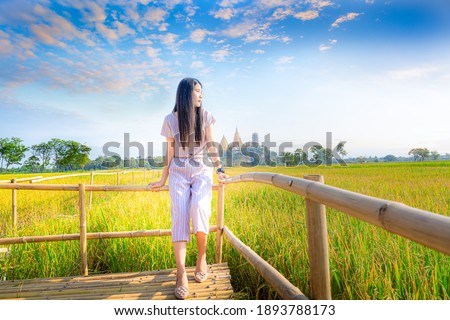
224 14
56 28
133 14
412 73
94 13
240 29
109 34
219 55
258 51
197 65
307 15
284 60
143 42
326 47
229 3
276 3
281 14
191 10
172 3
319 4
163 27
262 33
348 17
6 47
370 1
252 32
123 29
152 52
155 15
199 35
45 34
168 39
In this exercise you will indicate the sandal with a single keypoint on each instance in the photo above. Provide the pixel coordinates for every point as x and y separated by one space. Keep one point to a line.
200 276
181 292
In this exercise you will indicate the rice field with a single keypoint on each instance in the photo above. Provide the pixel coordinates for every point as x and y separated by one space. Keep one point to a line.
365 261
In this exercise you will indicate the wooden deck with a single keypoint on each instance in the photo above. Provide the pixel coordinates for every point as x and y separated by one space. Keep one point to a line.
149 285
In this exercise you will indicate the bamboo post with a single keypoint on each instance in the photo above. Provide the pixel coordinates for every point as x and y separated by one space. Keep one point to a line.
118 178
220 216
83 238
132 177
318 246
91 182
145 176
14 205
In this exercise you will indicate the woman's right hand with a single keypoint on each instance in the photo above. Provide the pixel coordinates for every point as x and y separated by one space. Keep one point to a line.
156 185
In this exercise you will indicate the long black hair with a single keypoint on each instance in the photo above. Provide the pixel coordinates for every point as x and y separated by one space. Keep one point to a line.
190 119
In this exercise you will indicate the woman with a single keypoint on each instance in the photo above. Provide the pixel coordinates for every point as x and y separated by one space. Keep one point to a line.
189 133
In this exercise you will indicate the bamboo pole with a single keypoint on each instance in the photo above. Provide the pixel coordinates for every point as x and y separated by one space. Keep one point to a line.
118 178
14 204
55 187
145 176
425 227
105 173
21 179
83 239
220 217
132 177
74 187
319 263
93 236
61 177
91 182
281 285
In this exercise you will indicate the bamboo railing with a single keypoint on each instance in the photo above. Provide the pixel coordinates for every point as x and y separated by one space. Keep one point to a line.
424 227
427 228
57 187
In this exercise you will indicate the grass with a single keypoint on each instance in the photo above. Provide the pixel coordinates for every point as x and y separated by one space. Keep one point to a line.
365 261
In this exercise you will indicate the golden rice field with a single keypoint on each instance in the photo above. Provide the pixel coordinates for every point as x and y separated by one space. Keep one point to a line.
365 261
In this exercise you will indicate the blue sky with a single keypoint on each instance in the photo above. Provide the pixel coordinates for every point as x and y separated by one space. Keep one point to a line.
374 73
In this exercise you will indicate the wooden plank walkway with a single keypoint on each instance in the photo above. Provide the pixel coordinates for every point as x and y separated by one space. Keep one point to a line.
148 285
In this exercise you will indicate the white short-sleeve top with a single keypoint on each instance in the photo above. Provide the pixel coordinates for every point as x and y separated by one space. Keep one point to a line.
170 129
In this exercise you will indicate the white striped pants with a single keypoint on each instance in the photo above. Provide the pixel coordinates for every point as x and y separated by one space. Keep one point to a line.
190 183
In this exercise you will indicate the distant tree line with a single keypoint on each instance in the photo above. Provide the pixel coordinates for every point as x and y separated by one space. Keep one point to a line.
416 154
63 155
69 155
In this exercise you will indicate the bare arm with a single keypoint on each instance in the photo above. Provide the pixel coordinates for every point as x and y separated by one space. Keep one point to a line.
169 156
213 151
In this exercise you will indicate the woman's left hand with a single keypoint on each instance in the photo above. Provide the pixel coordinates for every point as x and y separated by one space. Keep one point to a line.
222 177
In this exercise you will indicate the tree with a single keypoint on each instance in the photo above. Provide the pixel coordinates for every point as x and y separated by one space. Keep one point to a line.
300 156
390 158
289 159
340 149
69 154
318 153
361 159
419 154
13 151
32 164
58 147
43 151
435 155
4 147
